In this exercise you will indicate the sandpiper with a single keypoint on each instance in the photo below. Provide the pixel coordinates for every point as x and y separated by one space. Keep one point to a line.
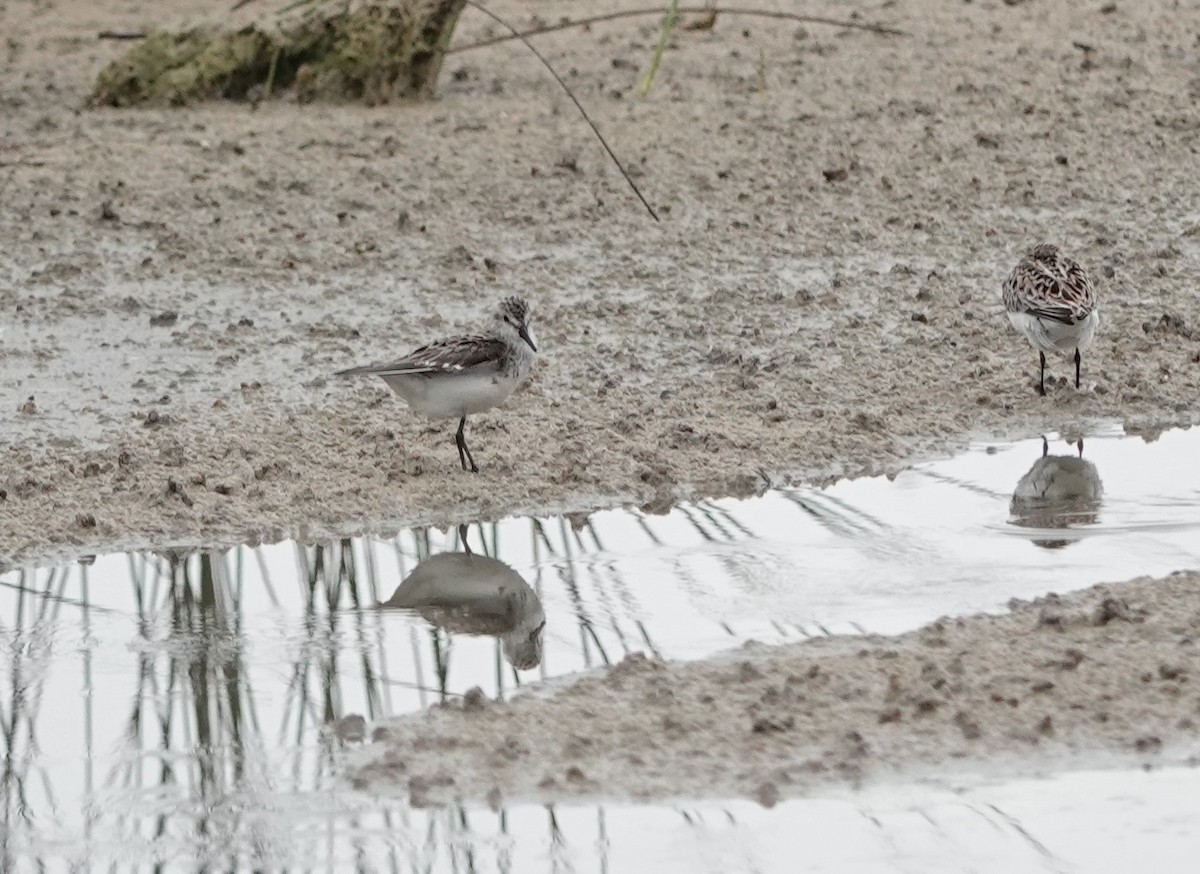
1058 492
1051 300
457 376
467 593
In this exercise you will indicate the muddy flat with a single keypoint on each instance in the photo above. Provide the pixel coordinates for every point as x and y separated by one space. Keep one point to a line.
1099 678
821 299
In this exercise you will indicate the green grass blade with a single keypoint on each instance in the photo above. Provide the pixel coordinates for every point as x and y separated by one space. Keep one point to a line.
664 34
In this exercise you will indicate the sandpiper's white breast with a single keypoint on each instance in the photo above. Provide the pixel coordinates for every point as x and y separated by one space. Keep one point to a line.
453 395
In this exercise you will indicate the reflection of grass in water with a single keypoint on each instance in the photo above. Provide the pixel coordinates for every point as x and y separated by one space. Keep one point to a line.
203 606
194 716
189 694
566 573
718 525
960 483
834 514
623 590
572 540
723 531
28 643
569 553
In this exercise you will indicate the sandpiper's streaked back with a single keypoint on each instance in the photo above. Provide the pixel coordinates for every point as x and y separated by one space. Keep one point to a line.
1051 300
458 376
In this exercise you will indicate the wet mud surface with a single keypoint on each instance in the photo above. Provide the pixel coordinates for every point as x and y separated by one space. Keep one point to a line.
1102 677
821 298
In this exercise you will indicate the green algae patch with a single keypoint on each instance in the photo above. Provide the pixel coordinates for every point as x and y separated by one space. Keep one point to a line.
179 68
372 53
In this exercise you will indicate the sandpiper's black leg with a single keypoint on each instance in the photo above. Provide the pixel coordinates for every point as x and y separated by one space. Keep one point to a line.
461 442
1078 358
462 537
464 454
1080 445
1042 374
1045 446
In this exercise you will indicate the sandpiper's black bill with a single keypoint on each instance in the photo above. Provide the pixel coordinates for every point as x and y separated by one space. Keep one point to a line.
523 333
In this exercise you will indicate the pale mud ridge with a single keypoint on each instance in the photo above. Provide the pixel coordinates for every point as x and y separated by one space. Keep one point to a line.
1098 678
820 300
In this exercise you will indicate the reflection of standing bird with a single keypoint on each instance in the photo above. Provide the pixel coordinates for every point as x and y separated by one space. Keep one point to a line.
457 376
1051 300
1059 491
466 593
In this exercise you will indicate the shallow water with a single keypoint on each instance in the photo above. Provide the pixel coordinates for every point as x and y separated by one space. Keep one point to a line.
162 707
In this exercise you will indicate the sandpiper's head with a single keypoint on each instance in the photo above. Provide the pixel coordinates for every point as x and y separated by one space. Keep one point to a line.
512 320
1046 253
522 646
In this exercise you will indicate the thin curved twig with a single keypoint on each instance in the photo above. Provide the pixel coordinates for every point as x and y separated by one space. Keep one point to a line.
518 35
689 10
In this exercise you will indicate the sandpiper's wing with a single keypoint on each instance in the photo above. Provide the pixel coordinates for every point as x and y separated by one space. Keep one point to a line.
451 355
1061 292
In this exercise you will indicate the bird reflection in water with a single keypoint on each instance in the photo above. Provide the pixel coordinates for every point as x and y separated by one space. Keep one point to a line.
1059 491
466 593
